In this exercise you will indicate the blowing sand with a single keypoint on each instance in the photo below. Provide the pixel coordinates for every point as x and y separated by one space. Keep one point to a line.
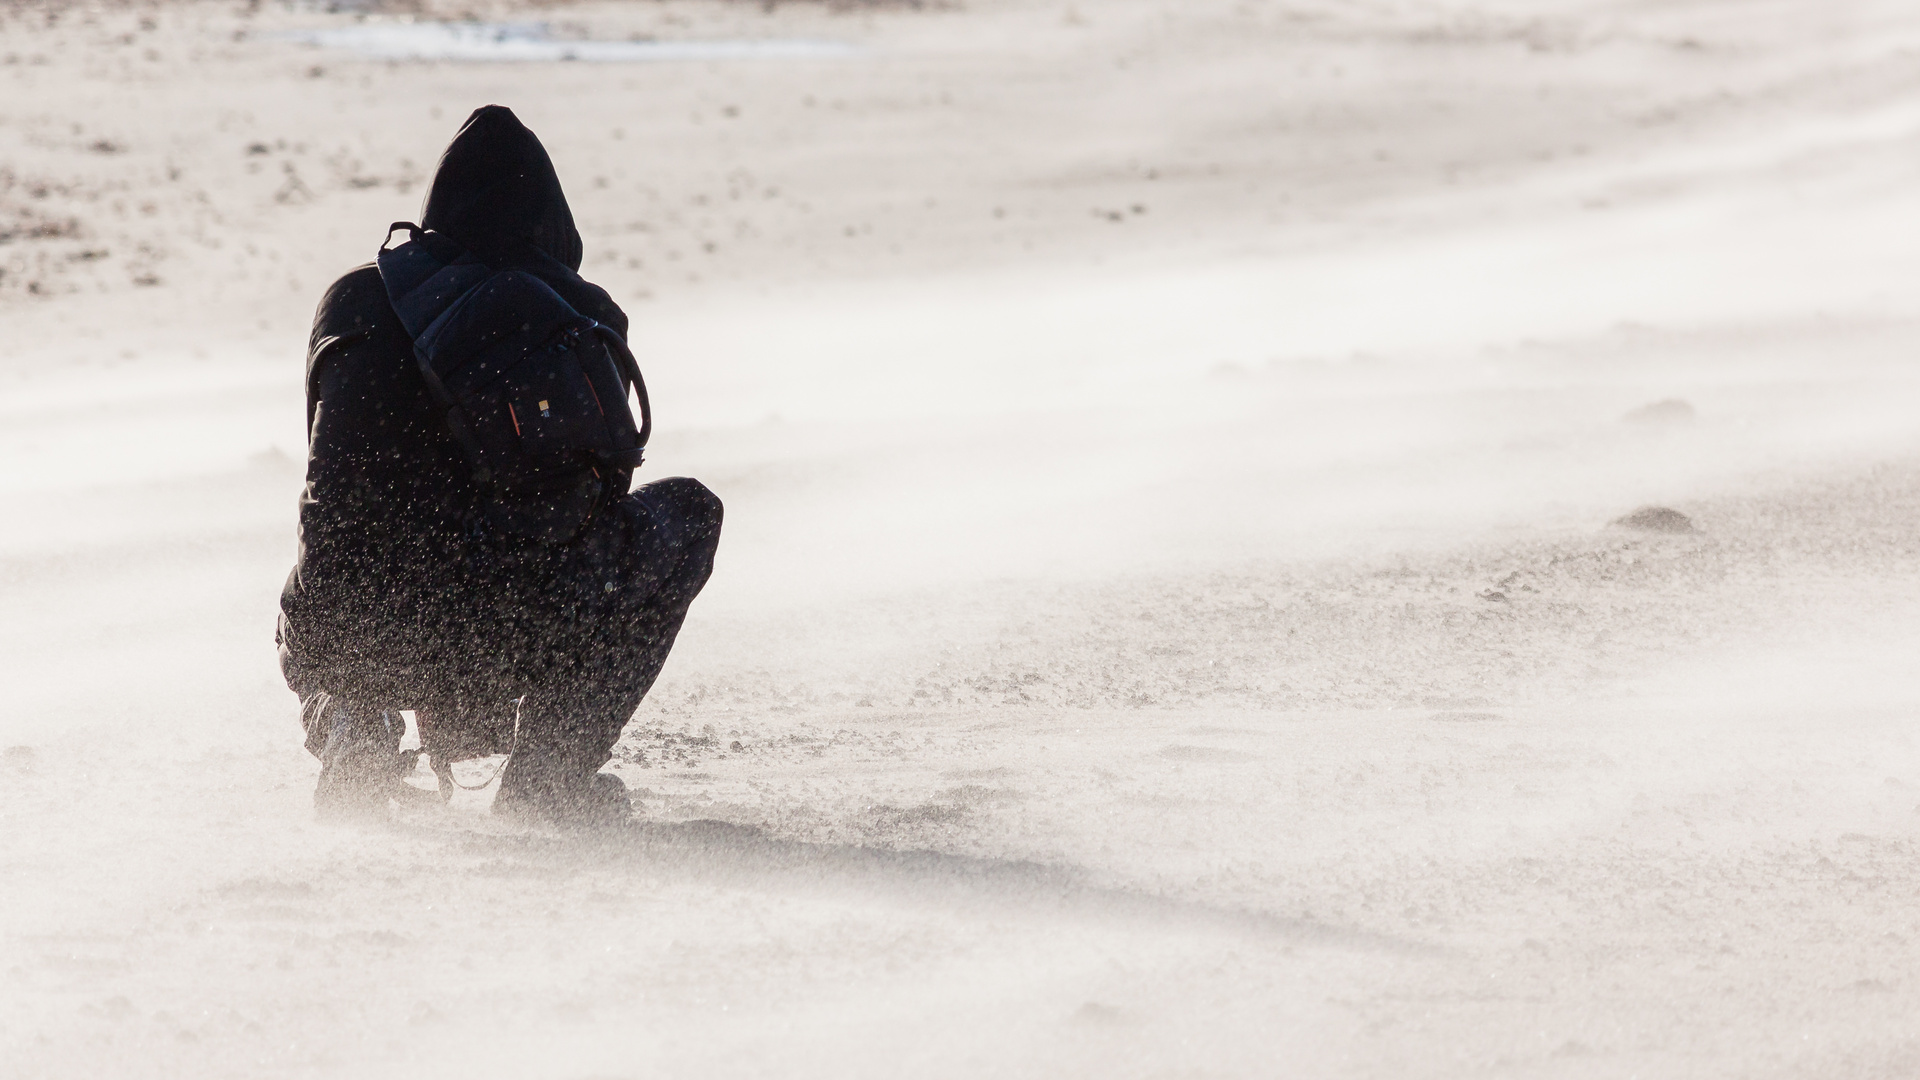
1180 612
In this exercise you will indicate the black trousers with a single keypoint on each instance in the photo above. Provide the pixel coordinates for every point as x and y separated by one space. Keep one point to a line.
590 627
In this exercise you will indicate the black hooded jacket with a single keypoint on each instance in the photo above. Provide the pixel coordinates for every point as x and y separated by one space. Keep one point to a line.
391 589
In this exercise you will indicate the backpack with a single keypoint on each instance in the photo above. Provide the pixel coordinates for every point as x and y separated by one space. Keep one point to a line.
534 392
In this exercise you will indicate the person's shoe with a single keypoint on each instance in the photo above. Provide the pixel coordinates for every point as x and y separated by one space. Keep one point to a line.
533 795
606 801
361 765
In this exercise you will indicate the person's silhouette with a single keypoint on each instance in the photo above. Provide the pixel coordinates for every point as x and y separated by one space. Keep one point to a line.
403 598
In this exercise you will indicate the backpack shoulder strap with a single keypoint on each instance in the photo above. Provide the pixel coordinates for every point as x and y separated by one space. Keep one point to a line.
423 280
630 369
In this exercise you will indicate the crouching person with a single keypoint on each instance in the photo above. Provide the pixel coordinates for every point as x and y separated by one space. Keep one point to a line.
469 548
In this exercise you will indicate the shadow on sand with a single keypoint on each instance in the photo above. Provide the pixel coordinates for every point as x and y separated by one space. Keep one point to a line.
723 853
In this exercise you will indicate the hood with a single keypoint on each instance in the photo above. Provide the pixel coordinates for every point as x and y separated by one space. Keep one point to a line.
495 191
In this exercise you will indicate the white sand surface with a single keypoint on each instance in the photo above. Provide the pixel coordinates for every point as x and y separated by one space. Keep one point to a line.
1168 622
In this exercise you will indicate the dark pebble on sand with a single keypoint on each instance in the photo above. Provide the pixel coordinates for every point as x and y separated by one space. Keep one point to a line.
1657 519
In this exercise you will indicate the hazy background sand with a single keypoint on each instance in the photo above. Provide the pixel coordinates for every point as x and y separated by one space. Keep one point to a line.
1168 621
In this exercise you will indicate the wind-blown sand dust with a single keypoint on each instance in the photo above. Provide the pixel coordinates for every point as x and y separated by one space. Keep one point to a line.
1181 611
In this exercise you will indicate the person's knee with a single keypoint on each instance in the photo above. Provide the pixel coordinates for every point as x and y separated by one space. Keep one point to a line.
689 501
679 533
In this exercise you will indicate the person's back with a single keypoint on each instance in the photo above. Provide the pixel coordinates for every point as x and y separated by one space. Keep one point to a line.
405 598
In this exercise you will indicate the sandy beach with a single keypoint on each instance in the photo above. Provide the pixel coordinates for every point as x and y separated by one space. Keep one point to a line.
1180 614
